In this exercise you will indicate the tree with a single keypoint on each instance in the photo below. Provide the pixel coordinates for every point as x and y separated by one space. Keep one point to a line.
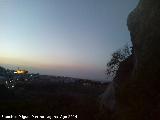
116 58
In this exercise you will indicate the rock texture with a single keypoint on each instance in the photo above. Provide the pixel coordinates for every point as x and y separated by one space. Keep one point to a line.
137 96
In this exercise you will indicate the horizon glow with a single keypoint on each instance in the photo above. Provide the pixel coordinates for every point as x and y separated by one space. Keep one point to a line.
63 37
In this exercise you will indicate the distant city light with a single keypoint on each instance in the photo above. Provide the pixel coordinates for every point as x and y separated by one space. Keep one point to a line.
20 72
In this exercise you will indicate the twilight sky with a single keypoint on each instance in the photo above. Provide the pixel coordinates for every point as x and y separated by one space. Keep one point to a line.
63 37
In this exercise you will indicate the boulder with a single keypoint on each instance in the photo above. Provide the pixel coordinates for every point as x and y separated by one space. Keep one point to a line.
137 92
138 97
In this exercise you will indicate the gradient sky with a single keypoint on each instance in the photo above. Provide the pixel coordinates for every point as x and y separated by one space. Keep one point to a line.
63 37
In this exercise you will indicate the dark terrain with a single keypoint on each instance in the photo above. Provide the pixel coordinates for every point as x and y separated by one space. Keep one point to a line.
51 98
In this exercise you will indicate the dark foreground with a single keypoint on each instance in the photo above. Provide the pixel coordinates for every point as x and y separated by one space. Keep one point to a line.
48 98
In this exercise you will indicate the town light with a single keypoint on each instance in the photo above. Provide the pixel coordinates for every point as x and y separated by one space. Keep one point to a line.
20 72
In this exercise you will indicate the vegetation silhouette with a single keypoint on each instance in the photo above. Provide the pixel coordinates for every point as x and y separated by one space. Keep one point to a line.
116 58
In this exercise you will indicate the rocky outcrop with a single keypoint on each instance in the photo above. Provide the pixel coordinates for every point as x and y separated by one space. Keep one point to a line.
108 98
138 96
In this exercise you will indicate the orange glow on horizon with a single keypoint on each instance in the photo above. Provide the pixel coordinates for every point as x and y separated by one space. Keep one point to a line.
49 64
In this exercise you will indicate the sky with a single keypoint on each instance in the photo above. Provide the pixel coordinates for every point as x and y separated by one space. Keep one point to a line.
63 37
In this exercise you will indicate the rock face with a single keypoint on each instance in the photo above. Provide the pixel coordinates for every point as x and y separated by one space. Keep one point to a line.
109 97
138 95
138 98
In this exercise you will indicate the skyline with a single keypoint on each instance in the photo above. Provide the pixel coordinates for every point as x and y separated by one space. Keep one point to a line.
59 37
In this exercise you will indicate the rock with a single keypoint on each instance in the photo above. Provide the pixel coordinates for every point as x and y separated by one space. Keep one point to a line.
137 94
108 98
138 97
